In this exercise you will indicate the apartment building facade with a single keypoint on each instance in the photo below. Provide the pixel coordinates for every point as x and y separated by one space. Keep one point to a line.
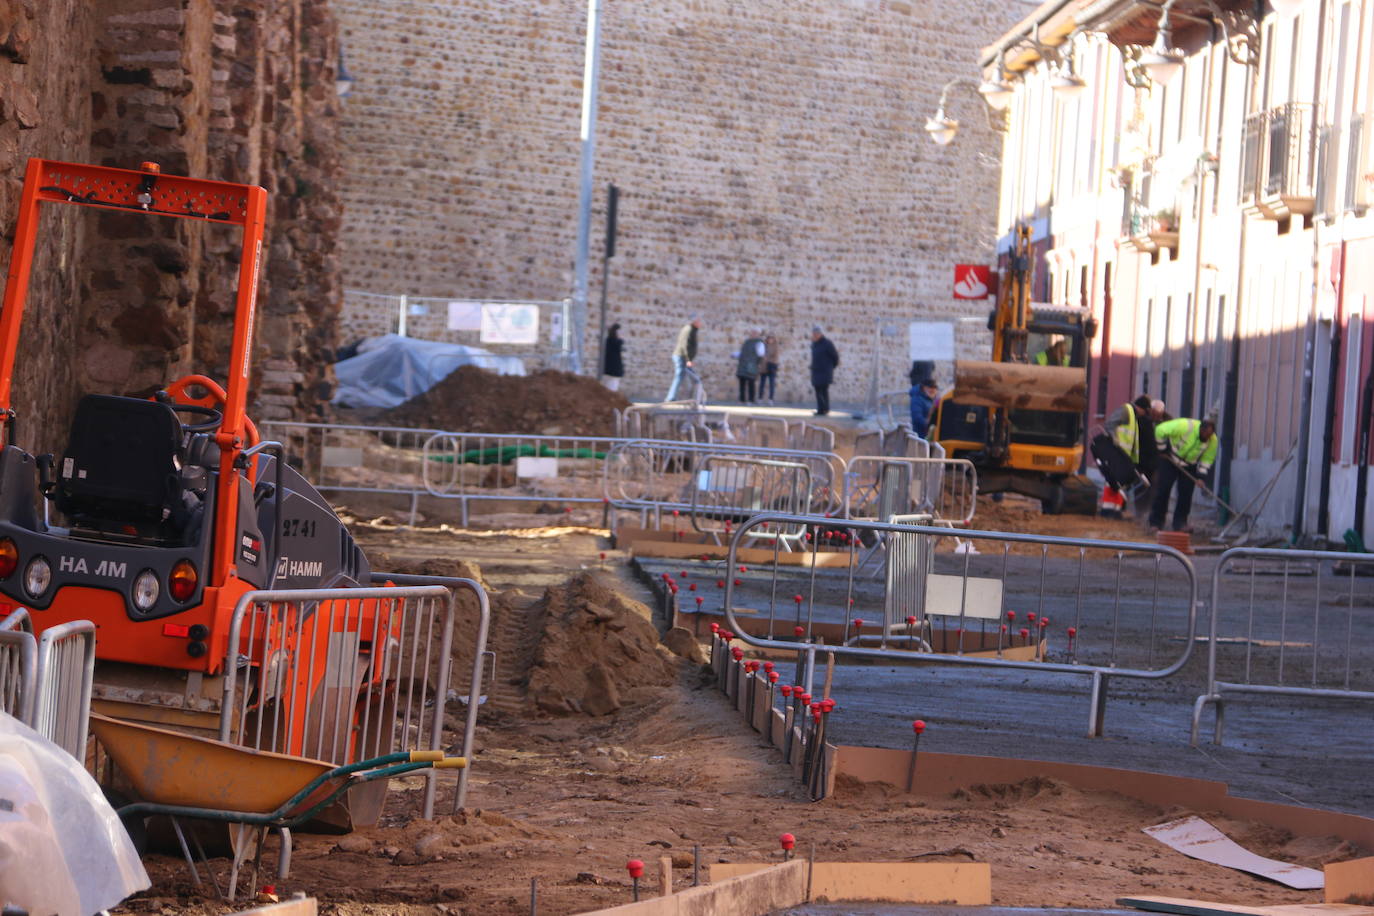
1200 174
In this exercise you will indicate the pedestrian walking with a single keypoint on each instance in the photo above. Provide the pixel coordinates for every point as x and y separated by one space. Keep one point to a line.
1187 449
825 359
769 377
613 358
684 355
924 395
748 365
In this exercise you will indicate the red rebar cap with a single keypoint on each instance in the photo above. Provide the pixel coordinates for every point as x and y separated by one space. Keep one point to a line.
798 631
744 569
858 622
1025 632
691 586
772 677
1011 615
1073 631
1044 622
786 689
715 627
768 666
737 652
726 635
674 513
827 705
911 621
797 598
699 600
739 582
720 583
918 726
816 713
603 554
635 867
806 699
1031 616
787 841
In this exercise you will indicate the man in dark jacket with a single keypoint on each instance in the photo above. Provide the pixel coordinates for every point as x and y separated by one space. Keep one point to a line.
924 394
824 360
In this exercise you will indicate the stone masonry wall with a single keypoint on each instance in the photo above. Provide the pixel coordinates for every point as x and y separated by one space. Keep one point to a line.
770 155
235 90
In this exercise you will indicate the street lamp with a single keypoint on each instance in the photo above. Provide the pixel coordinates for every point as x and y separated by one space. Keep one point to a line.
942 128
997 92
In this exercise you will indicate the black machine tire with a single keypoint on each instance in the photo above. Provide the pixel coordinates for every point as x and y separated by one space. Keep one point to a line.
208 426
1054 503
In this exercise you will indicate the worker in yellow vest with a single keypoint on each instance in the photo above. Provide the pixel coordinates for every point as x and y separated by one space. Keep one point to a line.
1188 449
1056 354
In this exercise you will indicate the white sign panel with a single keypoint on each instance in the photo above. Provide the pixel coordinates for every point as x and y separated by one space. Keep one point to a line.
510 324
556 327
931 340
527 466
464 315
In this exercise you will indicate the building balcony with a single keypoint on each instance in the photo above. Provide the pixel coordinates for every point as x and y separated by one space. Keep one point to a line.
1279 162
1149 231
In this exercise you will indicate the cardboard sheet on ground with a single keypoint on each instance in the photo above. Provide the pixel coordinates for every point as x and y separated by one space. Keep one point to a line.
1194 837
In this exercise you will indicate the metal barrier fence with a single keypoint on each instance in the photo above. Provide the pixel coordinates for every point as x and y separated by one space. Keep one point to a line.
652 476
18 674
65 669
17 620
343 675
487 466
877 488
387 460
1307 644
894 409
728 490
1126 617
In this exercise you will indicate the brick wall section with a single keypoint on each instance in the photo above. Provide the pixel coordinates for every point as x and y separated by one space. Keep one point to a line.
770 155
236 90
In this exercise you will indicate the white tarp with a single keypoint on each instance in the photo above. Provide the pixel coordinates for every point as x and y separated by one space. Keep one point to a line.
63 850
391 370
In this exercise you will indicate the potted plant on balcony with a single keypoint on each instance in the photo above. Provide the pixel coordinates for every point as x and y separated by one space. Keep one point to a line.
1165 220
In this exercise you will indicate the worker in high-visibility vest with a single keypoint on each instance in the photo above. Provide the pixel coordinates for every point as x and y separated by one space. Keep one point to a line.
1056 354
1126 455
1188 449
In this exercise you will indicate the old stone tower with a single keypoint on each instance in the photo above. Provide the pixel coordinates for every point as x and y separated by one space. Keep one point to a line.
770 155
236 90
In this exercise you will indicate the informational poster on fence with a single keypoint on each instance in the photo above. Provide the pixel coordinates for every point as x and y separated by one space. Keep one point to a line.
555 327
464 315
931 340
510 323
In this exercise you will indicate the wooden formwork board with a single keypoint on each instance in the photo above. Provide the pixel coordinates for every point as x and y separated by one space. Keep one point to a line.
958 883
642 542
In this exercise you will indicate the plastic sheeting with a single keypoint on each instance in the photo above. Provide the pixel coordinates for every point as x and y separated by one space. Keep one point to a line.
63 850
391 370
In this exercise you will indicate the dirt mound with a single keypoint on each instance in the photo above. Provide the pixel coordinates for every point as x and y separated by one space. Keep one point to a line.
597 644
548 402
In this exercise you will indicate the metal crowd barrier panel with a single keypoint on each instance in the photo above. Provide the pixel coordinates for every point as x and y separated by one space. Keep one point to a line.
65 669
1119 611
18 673
1304 644
385 460
894 409
727 490
808 437
765 432
877 488
17 620
512 467
657 476
343 675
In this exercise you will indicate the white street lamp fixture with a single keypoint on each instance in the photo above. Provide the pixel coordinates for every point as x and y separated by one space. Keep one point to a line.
997 93
1067 85
1162 63
941 128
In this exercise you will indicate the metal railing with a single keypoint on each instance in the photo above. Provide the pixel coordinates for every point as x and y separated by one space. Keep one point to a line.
383 460
18 674
1130 616
342 675
728 490
17 620
1277 153
503 467
65 670
1308 645
877 488
654 476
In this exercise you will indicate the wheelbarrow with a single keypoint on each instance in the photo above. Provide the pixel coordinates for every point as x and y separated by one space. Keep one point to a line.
186 776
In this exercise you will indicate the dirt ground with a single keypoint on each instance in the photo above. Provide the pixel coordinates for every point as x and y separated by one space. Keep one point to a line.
568 799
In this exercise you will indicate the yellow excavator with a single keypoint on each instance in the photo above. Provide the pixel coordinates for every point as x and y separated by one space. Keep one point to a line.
1019 418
